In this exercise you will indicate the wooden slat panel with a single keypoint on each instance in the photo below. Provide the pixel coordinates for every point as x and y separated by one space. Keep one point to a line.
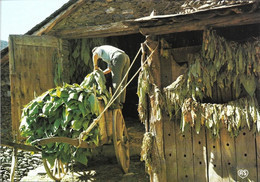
41 41
166 70
214 158
184 155
228 156
246 154
170 149
200 156
31 71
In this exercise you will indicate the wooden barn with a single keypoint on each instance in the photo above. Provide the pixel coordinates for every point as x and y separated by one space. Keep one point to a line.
198 89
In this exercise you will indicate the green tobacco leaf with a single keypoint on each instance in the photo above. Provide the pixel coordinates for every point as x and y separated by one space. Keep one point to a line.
51 159
82 109
73 96
57 124
46 108
93 101
249 84
81 157
77 124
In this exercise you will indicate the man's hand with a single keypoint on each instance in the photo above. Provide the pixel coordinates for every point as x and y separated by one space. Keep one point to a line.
106 71
96 67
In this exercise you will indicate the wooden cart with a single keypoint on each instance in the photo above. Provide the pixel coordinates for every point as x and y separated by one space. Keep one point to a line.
112 130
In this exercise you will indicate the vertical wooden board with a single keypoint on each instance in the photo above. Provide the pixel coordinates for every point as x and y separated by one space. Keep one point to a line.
170 150
166 71
228 156
31 71
246 155
200 155
258 155
184 154
214 158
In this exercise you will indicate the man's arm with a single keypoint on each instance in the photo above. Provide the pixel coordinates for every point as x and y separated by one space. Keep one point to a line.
106 71
95 61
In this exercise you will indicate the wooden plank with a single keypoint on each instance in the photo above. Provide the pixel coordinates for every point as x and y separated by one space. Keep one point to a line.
42 41
199 155
31 71
71 141
156 124
246 155
184 154
214 158
170 149
166 70
232 20
181 54
228 156
19 146
112 29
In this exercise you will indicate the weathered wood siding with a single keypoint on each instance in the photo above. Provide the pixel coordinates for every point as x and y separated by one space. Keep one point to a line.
31 71
199 157
192 156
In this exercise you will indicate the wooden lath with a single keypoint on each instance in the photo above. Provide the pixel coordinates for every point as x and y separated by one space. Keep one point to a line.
112 29
231 20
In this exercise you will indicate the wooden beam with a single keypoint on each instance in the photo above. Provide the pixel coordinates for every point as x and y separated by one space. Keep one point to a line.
113 29
74 142
232 20
19 146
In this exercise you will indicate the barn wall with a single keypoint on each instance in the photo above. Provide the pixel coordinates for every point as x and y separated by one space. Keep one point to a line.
5 103
189 155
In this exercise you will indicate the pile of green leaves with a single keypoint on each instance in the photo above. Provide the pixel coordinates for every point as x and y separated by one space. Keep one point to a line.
222 65
65 112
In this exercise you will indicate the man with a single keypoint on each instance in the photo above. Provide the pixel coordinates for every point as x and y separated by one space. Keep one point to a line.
117 63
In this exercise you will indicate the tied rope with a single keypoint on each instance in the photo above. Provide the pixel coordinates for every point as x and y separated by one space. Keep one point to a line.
114 96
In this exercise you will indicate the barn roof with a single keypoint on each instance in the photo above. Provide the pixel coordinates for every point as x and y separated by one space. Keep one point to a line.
103 18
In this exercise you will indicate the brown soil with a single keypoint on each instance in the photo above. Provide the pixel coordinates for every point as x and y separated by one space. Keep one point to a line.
104 166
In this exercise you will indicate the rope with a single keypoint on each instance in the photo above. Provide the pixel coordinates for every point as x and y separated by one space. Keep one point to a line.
113 98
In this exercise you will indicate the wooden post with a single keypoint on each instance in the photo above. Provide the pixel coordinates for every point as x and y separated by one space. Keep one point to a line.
156 125
14 162
143 48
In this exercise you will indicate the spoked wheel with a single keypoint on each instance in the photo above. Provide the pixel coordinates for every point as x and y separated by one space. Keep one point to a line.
58 171
121 140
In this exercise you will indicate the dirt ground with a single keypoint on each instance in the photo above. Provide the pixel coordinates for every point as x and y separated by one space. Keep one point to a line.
104 166
103 169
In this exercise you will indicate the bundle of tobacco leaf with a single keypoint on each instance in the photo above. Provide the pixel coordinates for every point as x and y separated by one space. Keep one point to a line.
225 66
65 112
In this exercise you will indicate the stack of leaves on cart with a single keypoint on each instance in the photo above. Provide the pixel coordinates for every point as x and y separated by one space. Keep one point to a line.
65 112
223 67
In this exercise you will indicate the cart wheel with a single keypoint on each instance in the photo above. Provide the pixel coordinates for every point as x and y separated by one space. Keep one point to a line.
58 171
121 140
